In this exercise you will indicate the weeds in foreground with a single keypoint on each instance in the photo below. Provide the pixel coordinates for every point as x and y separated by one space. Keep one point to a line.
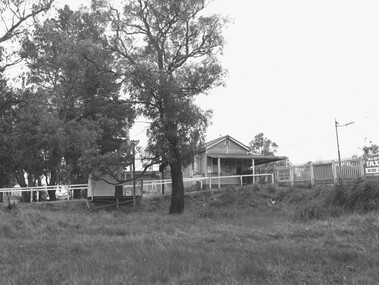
238 236
322 202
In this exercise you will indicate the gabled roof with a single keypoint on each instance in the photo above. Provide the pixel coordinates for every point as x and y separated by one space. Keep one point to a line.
259 159
214 142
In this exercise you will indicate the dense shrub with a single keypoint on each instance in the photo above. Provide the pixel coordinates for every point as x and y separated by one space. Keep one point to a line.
360 195
227 197
319 202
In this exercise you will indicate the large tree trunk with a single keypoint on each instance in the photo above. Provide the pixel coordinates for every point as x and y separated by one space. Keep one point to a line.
177 194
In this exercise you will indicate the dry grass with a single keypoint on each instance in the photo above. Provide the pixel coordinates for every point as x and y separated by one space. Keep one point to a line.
245 236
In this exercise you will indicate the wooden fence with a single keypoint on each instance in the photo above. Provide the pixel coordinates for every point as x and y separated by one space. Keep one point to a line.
212 182
327 172
6 194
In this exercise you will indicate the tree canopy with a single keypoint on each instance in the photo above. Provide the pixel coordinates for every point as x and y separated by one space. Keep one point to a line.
167 53
90 71
370 149
16 19
70 110
261 145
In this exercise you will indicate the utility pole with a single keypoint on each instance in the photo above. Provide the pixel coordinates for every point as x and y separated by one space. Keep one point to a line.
337 125
127 130
133 166
338 144
134 173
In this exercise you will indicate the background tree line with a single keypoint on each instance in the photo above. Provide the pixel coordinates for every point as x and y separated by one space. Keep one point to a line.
90 71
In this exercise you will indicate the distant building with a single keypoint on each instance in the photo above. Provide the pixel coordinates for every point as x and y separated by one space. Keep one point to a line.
226 156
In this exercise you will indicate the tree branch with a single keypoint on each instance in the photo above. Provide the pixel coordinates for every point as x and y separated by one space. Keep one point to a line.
122 181
12 31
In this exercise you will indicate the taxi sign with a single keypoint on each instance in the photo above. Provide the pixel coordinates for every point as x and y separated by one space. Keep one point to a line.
372 165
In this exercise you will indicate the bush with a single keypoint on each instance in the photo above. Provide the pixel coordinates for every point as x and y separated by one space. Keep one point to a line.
360 195
316 209
315 203
311 210
227 197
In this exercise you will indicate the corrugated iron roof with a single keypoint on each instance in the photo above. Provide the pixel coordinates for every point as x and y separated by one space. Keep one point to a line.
258 159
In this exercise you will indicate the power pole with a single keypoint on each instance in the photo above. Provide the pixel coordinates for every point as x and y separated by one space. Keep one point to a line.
133 166
134 173
338 144
337 125
127 130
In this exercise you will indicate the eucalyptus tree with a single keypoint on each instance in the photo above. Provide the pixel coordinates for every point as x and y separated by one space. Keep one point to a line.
261 145
371 149
16 18
68 65
167 52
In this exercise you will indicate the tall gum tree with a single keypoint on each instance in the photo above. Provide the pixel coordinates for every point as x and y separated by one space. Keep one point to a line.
167 51
261 145
71 68
16 18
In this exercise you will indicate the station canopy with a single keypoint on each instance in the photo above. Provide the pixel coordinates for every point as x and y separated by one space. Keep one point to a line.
258 159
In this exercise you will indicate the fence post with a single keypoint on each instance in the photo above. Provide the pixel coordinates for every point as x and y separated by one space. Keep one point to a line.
219 172
210 182
253 169
31 195
361 167
272 179
275 175
334 170
292 176
241 180
312 174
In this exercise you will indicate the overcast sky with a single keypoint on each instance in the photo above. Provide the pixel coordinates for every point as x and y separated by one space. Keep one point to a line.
294 66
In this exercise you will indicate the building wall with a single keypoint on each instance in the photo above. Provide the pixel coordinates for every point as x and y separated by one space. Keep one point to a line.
100 187
205 166
227 147
198 167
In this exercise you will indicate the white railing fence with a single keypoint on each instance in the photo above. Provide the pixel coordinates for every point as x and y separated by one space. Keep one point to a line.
65 191
200 183
144 188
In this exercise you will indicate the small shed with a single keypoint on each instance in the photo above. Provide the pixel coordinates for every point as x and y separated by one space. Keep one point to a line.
106 190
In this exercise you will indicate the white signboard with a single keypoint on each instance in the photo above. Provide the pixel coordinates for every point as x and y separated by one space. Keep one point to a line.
372 165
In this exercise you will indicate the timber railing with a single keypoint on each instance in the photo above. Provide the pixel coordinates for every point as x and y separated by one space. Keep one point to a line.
145 187
323 172
210 182
66 190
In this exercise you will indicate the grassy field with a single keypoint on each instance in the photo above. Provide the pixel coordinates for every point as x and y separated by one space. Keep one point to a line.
250 235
